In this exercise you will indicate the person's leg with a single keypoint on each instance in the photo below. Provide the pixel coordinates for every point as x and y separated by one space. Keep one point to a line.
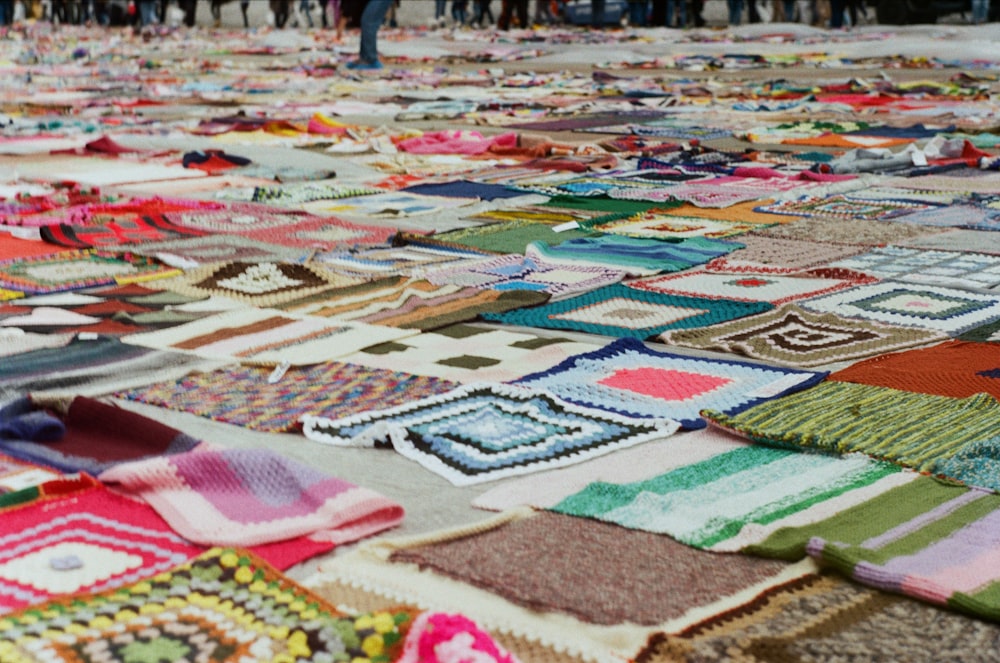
371 20
245 9
597 14
522 14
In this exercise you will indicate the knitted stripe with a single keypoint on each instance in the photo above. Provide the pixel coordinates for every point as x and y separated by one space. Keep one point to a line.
930 433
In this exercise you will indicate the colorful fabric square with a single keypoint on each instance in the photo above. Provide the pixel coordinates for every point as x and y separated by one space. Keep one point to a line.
222 248
964 270
844 207
17 475
265 336
73 270
118 232
620 311
509 236
952 437
283 227
957 369
775 255
842 614
245 396
849 232
655 224
482 432
94 436
440 638
249 497
261 284
467 353
793 336
516 272
700 194
735 498
773 288
957 216
74 537
635 254
225 603
406 260
628 378
547 563
930 307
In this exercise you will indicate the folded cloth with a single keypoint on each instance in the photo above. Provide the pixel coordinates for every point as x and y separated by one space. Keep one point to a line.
247 497
20 421
95 437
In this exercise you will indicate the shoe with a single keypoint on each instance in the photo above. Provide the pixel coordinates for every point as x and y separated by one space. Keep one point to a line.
360 65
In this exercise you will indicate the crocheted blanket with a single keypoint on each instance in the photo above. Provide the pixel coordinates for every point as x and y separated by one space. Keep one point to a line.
628 378
517 272
776 255
482 432
793 336
266 336
123 232
222 248
469 353
909 305
258 283
955 368
223 603
841 615
738 497
620 311
509 236
953 437
92 436
657 224
966 270
73 270
248 497
245 396
773 288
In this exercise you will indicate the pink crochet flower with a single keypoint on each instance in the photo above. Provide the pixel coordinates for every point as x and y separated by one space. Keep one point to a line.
442 638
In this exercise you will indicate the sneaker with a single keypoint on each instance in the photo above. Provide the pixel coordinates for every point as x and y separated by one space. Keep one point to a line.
364 66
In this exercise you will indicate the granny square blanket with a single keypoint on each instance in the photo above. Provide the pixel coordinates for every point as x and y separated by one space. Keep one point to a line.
953 437
794 336
967 270
735 498
225 603
77 536
263 284
946 310
773 288
620 311
482 432
248 497
628 378
73 270
245 396
468 353
655 224
266 336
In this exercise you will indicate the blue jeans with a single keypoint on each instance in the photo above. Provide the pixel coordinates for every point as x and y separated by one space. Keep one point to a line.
147 12
439 8
682 16
789 11
637 12
597 13
6 12
980 11
371 20
735 11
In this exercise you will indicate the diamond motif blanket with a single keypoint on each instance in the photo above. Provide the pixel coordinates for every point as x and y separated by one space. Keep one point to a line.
482 432
621 311
909 305
794 336
773 288
952 437
225 602
628 378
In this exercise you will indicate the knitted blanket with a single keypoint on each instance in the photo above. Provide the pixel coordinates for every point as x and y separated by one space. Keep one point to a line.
636 255
469 353
120 232
851 232
955 368
92 436
482 432
221 248
926 539
406 260
620 311
777 255
738 497
628 378
508 237
656 224
845 207
793 336
245 396
247 497
265 336
954 437
224 605
258 283
517 272
842 614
